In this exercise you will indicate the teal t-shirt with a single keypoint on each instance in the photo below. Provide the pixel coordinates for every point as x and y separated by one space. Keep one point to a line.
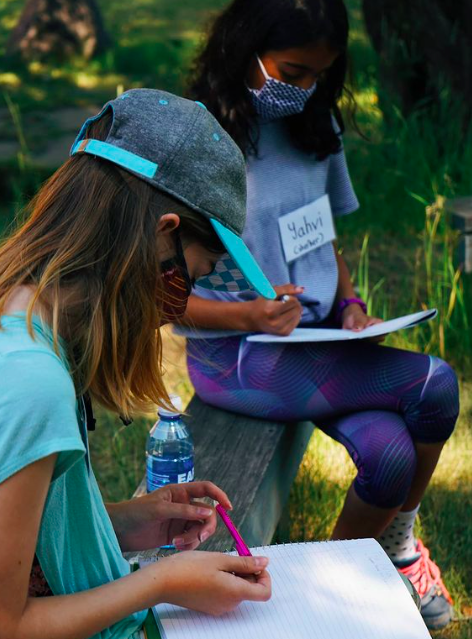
40 415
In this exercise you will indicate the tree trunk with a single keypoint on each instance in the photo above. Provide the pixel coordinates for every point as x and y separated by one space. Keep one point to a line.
58 29
424 47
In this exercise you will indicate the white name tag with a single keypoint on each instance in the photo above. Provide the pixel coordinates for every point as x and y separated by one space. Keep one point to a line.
307 228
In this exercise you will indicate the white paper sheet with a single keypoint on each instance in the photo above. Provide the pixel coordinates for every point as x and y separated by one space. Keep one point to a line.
338 334
328 590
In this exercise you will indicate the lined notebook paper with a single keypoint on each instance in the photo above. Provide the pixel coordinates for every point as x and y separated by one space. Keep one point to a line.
327 590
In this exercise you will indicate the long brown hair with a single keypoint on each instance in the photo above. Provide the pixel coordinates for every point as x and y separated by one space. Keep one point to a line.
89 250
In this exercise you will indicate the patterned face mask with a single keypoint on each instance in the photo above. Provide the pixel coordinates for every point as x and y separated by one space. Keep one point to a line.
177 286
277 99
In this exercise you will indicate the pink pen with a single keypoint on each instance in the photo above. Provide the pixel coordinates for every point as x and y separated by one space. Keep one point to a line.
239 543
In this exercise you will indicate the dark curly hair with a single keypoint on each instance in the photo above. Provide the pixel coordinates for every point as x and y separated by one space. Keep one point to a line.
248 27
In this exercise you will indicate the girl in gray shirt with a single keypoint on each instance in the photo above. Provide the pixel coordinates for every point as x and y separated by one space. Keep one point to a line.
273 74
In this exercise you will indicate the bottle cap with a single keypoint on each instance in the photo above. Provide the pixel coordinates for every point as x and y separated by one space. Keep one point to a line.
176 403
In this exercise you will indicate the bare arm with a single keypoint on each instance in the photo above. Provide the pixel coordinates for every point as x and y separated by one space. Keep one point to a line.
202 581
353 317
204 313
84 614
78 616
345 287
279 318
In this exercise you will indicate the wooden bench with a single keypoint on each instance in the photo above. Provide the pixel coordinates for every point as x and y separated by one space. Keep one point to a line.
253 461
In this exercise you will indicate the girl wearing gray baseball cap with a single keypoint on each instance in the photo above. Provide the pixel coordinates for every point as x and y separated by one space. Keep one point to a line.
109 252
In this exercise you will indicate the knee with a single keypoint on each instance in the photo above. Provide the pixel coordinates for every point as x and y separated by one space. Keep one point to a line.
386 473
440 401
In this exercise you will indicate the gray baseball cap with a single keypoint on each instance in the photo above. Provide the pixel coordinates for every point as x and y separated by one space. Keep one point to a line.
179 147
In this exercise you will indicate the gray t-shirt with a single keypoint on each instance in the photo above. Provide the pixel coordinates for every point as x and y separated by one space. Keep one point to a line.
281 179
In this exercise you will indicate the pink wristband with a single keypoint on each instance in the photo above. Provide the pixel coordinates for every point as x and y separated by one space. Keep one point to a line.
344 303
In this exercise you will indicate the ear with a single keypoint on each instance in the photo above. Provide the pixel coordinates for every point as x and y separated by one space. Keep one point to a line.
167 223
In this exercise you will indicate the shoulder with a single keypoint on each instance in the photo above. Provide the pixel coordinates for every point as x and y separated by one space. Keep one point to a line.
31 358
35 377
38 415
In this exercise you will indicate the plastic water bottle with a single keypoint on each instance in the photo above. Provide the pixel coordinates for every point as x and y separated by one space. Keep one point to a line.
169 449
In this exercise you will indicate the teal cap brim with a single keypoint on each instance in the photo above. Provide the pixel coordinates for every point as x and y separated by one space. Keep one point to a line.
240 271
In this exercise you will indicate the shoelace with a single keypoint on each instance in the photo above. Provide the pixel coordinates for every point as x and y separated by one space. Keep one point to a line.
424 574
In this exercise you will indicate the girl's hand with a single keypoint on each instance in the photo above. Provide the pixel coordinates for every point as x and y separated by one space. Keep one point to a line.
168 515
354 319
274 316
213 582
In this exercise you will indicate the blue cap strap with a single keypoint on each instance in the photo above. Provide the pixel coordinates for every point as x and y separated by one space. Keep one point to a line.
117 155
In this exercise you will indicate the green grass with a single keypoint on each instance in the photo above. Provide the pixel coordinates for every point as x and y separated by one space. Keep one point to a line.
432 280
401 173
400 158
153 42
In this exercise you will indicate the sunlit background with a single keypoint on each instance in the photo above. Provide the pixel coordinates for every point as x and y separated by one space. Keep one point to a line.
406 167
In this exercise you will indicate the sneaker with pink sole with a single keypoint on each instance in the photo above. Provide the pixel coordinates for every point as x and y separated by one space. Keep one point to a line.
425 576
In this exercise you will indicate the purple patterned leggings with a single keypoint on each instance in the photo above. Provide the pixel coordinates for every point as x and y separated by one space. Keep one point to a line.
376 401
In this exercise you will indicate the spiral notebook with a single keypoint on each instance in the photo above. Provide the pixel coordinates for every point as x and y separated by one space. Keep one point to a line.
327 590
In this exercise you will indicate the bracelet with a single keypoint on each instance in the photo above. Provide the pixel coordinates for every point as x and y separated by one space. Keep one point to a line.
344 303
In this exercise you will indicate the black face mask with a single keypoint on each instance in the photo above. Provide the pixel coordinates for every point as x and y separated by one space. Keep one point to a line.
177 285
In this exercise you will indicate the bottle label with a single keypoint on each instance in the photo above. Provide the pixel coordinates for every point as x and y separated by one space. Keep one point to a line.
158 475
